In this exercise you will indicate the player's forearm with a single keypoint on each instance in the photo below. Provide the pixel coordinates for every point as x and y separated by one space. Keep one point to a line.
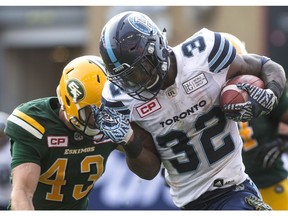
273 76
21 200
269 71
143 162
146 165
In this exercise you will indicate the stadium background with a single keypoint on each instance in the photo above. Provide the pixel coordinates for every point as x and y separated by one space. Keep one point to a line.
36 42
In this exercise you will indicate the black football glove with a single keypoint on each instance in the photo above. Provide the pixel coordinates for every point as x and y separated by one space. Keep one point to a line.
270 152
113 124
260 102
239 112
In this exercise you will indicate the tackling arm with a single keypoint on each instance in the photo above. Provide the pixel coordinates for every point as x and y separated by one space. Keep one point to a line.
141 155
138 145
24 182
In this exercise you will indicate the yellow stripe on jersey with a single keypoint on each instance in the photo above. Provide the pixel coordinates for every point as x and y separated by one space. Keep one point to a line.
27 123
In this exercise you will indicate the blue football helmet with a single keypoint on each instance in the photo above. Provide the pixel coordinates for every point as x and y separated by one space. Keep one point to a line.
135 53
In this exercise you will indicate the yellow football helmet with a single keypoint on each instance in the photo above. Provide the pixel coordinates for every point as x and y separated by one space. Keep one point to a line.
238 44
80 88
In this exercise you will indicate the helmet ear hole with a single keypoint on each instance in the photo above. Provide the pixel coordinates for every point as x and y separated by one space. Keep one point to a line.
67 100
98 79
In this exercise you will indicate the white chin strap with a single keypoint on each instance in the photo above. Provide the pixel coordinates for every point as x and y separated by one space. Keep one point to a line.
91 132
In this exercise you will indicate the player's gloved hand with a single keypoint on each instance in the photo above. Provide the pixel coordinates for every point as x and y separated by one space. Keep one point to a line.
239 112
260 102
270 152
113 124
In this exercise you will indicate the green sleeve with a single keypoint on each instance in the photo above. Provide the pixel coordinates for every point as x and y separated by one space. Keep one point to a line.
24 146
22 153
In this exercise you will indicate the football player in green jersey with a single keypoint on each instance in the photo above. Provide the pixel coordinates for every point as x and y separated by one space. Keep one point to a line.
58 152
263 148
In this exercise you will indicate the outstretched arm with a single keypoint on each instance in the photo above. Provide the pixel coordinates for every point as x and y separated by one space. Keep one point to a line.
141 155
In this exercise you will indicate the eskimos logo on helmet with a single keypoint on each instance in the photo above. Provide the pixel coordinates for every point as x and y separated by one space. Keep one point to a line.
142 24
75 90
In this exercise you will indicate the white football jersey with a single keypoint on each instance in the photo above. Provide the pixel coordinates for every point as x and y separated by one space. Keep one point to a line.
200 149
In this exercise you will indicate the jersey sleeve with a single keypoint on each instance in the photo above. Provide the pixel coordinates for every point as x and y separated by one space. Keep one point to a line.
114 98
218 50
26 138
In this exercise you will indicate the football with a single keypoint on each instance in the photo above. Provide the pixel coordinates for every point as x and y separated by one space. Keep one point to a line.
231 94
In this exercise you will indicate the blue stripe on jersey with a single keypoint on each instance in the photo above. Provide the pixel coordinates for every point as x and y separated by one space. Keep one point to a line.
118 106
109 49
232 57
222 54
227 57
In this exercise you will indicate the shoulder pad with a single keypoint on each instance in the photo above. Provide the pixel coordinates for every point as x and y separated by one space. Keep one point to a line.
27 123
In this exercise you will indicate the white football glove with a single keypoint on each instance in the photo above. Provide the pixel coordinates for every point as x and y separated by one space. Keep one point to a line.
113 124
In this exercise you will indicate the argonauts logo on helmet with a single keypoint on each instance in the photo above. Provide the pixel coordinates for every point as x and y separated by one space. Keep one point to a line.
76 90
142 24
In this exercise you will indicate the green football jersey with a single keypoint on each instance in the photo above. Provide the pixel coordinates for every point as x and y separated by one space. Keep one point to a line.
70 163
255 134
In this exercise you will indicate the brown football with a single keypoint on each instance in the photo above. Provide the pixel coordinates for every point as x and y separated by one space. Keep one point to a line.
231 94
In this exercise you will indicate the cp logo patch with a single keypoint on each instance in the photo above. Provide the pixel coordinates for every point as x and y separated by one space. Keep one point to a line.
148 108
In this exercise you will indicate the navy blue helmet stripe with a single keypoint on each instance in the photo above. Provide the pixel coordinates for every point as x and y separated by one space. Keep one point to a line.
222 54
109 49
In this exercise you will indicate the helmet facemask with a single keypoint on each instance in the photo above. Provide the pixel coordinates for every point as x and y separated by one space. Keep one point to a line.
86 124
142 80
79 90
136 55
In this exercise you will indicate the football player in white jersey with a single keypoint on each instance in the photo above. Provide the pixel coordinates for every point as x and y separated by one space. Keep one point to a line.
171 98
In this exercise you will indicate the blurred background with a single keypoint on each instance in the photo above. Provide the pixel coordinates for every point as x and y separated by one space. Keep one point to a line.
36 42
